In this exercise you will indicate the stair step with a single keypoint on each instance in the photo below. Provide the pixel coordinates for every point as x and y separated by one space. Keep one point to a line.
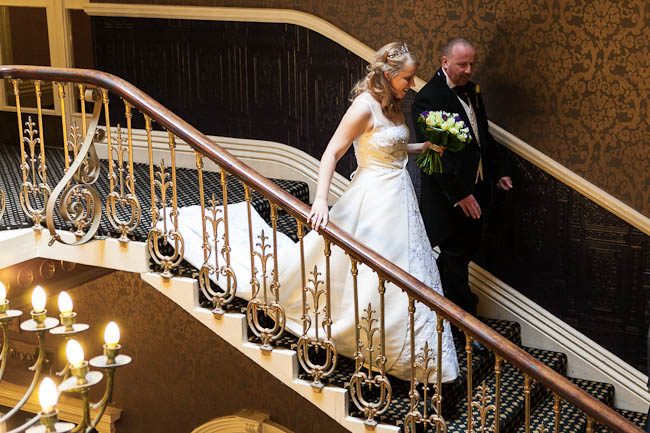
572 420
637 418
512 411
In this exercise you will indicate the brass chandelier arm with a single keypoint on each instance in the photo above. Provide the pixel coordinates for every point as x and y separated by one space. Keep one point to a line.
27 424
72 174
103 403
37 367
5 348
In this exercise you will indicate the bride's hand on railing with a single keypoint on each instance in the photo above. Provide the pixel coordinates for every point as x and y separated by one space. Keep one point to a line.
319 214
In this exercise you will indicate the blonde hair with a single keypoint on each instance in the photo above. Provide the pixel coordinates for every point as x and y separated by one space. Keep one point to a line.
391 59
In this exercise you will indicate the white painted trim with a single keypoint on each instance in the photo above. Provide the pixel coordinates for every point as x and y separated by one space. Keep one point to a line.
541 329
271 159
281 363
24 244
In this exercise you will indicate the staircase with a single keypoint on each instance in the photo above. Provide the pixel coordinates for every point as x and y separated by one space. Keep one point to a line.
524 404
512 411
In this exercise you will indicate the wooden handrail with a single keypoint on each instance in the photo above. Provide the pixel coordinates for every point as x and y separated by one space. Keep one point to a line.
463 320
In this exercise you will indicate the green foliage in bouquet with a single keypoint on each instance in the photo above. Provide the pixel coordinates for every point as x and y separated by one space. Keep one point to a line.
442 129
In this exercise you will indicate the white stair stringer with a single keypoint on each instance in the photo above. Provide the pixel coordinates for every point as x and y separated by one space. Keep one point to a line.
281 363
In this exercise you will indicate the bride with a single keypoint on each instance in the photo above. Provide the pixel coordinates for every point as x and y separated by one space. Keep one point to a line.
378 209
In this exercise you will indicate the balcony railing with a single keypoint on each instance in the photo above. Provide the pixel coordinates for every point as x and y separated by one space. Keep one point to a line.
81 206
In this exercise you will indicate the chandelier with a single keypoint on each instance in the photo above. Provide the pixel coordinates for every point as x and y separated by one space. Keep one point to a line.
76 376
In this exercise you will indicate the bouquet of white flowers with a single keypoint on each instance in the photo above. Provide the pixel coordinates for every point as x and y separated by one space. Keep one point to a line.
442 129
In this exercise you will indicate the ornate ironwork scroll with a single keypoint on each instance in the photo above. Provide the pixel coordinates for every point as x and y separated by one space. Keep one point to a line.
125 179
424 366
219 299
316 342
161 238
268 309
370 380
35 190
79 202
482 404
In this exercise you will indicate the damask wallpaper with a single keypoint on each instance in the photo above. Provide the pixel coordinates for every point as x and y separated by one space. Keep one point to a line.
569 77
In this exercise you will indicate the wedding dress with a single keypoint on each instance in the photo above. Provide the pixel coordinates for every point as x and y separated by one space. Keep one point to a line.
378 209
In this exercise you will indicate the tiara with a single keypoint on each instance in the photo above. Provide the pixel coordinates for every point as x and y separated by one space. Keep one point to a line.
398 52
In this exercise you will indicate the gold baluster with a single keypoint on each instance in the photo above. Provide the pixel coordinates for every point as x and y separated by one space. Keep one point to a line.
527 385
154 208
498 361
82 103
306 341
358 354
272 310
590 425
228 272
305 317
361 379
33 187
165 233
423 366
219 299
64 126
414 414
468 350
109 141
42 169
557 409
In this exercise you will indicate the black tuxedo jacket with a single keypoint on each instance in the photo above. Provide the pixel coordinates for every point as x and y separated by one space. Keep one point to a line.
439 192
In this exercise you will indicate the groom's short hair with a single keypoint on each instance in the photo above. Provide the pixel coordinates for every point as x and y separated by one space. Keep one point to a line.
449 46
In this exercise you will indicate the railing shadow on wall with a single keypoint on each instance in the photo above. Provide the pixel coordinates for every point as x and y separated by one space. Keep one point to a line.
79 206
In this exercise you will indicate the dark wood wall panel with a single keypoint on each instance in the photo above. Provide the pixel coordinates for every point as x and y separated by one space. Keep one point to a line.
272 82
572 257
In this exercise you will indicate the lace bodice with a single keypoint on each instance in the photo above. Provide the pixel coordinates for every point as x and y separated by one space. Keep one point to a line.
383 146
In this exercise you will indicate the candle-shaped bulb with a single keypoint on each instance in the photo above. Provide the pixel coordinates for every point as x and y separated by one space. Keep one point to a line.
47 395
112 334
65 303
3 293
38 299
74 352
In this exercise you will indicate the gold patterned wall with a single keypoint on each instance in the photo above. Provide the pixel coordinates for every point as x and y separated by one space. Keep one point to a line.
569 77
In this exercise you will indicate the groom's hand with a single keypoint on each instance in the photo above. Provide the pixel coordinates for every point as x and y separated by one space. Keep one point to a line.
470 207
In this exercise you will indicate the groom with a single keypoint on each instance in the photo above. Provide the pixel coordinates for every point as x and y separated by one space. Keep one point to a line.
453 202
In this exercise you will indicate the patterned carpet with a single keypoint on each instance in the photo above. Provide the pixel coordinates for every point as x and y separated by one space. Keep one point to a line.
512 412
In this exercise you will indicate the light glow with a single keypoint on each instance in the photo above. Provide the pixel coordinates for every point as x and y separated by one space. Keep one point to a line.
47 395
38 299
75 353
3 293
112 334
65 303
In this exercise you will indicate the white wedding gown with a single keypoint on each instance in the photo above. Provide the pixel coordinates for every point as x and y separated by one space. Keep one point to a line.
378 209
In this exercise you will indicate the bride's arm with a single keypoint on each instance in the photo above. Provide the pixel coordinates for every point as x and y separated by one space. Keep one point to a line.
355 122
417 148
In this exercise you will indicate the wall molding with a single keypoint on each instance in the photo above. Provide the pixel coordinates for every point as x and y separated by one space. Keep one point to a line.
541 329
